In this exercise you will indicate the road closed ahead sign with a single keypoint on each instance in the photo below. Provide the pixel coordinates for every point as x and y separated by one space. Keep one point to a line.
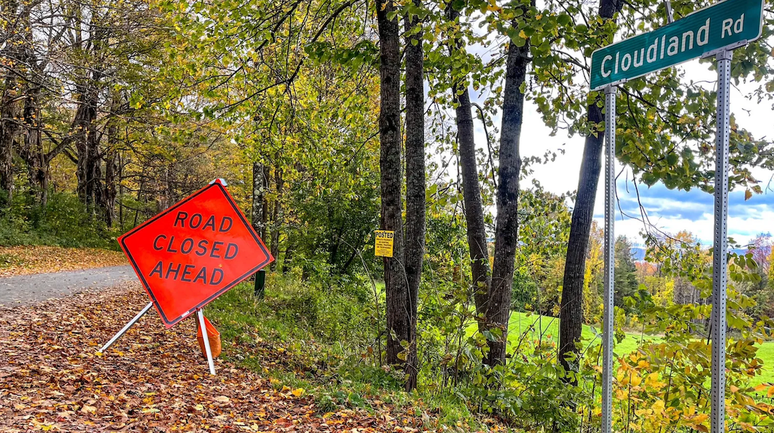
193 252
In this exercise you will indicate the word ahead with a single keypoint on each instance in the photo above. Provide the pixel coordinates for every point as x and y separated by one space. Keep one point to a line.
193 252
726 24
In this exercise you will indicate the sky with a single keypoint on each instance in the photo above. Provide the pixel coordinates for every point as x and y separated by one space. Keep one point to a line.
669 210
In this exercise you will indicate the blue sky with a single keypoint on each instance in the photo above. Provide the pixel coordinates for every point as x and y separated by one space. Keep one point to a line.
674 210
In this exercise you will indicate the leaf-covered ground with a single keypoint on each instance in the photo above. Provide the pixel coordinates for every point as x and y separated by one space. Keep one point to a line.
151 380
27 260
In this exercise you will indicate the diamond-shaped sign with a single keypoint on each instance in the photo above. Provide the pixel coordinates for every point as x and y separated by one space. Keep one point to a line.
193 252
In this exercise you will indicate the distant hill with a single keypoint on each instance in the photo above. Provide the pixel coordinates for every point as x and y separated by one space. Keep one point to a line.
638 253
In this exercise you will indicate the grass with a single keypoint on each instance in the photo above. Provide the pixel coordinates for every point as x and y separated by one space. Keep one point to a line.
532 324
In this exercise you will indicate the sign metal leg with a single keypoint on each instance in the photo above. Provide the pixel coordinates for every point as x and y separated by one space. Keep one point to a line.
206 339
609 313
126 327
720 246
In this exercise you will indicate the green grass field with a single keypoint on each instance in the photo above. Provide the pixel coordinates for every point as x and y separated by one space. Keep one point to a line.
521 322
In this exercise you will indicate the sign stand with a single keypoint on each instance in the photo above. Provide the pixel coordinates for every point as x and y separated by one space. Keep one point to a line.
206 339
720 245
142 312
216 248
609 311
126 327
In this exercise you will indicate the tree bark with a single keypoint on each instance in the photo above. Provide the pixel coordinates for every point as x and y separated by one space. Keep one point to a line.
259 193
276 219
287 261
506 231
86 143
32 152
111 164
10 105
471 193
415 182
571 312
396 291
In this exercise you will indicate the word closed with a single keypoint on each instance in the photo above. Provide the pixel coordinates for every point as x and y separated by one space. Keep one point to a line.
190 254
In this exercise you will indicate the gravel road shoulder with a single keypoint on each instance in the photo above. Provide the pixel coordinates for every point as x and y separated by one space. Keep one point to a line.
32 289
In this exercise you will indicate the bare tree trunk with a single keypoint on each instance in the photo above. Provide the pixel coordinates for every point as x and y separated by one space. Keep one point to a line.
471 193
571 312
398 322
506 231
415 183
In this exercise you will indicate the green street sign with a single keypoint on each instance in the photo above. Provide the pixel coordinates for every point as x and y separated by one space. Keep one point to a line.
727 24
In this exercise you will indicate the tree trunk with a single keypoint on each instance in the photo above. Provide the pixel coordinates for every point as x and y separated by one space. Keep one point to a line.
415 183
10 105
506 231
396 291
32 151
571 312
86 140
111 164
287 261
276 219
259 193
471 194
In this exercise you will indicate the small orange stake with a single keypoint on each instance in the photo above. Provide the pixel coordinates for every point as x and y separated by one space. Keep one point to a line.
212 335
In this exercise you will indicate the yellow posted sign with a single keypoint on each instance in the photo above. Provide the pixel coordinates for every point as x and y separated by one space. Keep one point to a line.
384 242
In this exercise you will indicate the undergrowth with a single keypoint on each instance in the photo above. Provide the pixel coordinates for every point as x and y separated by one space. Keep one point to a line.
64 221
321 338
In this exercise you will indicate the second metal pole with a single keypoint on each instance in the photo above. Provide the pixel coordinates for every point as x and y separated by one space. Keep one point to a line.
206 340
609 313
720 246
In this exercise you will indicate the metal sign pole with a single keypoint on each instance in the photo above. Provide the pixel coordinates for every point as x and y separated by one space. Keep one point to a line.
207 350
609 313
720 245
126 327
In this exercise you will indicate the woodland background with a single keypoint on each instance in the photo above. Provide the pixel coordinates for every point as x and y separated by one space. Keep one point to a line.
331 119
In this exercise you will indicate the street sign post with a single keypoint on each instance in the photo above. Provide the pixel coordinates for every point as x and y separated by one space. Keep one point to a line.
715 30
609 298
725 25
192 253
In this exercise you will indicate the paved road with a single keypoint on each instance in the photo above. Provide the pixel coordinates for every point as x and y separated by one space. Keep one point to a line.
30 289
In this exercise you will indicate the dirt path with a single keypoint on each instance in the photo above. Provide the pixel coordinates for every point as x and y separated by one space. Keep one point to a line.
31 289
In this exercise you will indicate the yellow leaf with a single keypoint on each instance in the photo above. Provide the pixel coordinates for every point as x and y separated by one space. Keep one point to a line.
298 392
636 380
